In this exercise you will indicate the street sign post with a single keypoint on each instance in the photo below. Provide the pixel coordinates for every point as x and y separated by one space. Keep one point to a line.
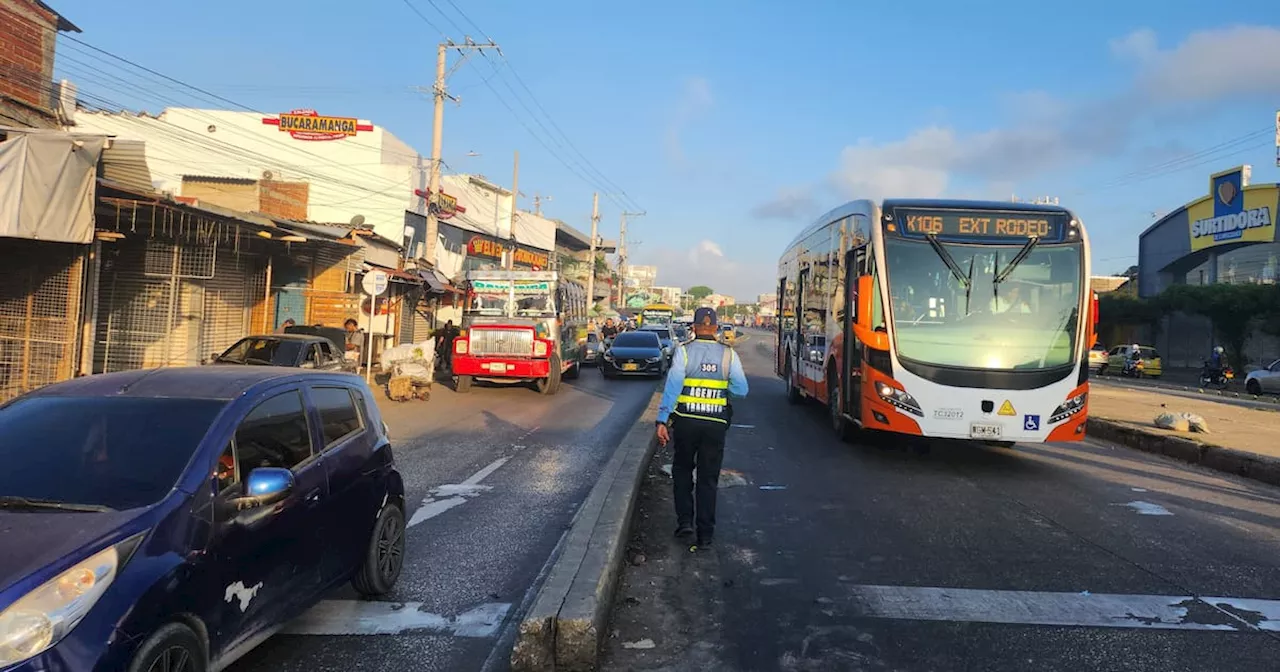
1278 138
374 284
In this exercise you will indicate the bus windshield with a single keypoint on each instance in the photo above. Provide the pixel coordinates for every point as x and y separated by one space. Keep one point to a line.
522 298
972 306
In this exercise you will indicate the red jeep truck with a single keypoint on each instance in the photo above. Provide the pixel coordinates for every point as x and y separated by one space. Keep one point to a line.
520 327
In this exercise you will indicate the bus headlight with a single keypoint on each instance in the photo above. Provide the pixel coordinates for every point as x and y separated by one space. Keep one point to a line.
899 399
460 346
1069 408
539 348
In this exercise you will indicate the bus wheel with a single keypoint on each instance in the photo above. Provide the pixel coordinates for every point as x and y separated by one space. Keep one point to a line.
834 406
793 394
463 385
550 384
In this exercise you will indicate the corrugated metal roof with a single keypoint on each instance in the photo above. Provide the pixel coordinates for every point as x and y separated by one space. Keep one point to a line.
125 162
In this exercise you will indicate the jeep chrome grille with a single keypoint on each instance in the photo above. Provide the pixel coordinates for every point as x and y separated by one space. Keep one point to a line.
518 342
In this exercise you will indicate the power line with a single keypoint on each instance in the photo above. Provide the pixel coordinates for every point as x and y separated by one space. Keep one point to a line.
585 170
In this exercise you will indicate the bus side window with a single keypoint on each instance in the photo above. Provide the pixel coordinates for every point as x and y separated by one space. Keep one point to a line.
877 305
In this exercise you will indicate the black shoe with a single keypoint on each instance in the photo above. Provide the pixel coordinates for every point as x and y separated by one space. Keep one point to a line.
704 543
684 530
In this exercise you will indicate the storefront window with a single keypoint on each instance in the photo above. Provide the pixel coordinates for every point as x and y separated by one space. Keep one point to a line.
1200 275
1254 264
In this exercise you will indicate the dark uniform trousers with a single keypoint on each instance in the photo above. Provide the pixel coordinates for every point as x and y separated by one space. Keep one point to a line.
697 444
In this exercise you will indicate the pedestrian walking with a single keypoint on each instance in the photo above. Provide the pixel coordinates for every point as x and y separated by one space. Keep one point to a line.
705 377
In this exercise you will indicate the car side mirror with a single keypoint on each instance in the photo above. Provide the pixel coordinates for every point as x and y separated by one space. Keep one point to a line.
264 487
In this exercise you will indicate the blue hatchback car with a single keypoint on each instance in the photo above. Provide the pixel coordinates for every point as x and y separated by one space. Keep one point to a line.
169 520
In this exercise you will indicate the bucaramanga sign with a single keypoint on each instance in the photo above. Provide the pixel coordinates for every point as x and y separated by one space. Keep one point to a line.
304 124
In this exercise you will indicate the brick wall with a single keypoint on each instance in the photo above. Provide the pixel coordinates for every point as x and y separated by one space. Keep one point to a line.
27 36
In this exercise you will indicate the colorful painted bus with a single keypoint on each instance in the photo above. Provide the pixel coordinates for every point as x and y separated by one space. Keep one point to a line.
521 326
940 318
656 313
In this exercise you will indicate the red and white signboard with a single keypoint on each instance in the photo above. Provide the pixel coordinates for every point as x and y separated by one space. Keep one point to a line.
309 125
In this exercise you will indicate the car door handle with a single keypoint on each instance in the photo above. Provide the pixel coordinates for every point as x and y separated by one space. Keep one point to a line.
312 497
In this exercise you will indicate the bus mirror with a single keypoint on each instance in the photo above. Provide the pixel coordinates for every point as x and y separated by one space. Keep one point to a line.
862 328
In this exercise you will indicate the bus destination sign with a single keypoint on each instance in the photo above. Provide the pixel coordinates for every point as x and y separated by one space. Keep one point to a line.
980 225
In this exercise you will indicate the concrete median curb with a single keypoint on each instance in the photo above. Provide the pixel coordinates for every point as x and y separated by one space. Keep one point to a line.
563 628
1261 468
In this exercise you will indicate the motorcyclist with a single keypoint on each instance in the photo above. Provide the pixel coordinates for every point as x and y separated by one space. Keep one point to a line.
1217 359
1135 358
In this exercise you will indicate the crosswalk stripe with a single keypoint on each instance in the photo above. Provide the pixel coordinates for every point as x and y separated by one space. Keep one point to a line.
1085 609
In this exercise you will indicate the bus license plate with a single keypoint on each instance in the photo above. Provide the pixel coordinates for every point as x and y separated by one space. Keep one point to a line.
630 367
980 430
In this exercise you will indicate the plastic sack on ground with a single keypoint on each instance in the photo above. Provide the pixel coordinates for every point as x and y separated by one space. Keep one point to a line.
1196 423
1172 422
424 351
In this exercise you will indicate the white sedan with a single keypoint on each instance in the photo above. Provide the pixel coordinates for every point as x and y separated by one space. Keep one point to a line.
1264 381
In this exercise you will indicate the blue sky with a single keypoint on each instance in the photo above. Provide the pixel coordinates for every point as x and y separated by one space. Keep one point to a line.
732 123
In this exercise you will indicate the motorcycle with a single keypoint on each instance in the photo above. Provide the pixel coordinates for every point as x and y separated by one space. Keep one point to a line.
1219 378
1132 368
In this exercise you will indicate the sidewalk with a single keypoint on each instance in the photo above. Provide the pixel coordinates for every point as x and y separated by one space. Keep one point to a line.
1243 441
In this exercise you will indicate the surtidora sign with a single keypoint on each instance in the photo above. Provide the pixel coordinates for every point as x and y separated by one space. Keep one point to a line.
310 125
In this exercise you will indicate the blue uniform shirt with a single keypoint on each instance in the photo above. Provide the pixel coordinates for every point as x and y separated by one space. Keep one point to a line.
675 382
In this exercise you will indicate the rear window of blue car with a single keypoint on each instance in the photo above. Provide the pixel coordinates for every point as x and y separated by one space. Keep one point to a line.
119 452
636 339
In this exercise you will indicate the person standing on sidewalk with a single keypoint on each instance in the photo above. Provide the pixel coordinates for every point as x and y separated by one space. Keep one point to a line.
705 375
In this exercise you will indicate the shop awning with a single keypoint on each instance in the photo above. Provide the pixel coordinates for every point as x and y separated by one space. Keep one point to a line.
435 282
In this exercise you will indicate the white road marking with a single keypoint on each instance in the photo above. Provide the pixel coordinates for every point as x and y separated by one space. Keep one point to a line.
1147 508
444 497
358 617
745 426
484 473
1167 612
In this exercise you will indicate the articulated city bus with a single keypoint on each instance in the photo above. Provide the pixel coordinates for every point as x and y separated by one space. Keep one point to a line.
940 318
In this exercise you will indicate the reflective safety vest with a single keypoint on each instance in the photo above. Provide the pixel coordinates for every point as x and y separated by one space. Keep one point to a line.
705 395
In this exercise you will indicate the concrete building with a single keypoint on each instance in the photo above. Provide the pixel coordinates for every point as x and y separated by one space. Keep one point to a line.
667 295
717 301
298 164
1225 236
641 277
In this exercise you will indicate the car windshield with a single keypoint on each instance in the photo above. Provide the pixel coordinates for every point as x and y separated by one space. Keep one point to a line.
593 337
983 311
636 339
118 452
263 352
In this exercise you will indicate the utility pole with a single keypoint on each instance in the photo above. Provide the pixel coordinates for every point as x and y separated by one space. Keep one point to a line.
622 256
537 203
439 92
515 202
591 271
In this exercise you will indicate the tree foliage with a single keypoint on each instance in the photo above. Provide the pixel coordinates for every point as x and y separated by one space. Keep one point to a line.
700 292
1234 310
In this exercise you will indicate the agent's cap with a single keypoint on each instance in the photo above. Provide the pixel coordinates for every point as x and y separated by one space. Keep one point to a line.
705 316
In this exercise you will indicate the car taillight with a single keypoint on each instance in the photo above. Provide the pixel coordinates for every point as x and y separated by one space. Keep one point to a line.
539 348
460 346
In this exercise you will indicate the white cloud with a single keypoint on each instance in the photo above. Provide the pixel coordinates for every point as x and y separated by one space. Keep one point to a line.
1048 133
704 264
790 203
694 101
1211 65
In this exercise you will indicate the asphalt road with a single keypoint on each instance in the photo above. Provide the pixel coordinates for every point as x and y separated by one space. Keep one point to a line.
494 478
872 557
